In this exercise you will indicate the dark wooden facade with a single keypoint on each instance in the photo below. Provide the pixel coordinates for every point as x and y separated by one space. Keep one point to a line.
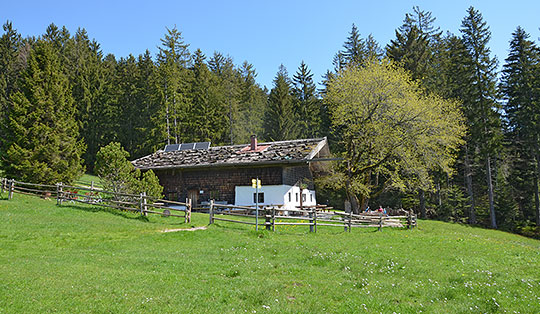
218 183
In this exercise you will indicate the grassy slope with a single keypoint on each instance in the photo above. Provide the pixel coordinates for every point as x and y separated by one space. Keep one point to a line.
76 259
86 181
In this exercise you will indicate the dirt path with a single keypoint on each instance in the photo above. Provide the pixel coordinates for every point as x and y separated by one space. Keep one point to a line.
184 229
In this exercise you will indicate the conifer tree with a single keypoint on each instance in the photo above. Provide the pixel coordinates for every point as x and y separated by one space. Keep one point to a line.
356 50
174 60
280 118
480 100
253 101
83 66
43 142
228 91
9 72
306 103
415 46
522 108
208 110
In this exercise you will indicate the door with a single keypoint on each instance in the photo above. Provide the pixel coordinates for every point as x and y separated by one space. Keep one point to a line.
193 195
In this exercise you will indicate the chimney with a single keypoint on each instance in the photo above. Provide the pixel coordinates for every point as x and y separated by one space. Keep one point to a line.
253 142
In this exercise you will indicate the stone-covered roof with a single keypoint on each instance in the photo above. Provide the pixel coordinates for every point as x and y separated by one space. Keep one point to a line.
293 151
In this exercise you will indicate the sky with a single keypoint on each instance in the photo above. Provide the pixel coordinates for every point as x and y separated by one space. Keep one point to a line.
265 33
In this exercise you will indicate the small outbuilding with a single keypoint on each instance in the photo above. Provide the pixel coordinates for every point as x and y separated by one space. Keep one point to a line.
224 173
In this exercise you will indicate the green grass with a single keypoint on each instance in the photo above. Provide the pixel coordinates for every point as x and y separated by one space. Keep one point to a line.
86 181
81 259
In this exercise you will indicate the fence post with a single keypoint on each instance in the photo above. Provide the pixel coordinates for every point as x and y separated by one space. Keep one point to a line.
273 218
59 195
145 201
311 221
3 180
141 203
267 218
350 220
211 212
380 222
409 219
11 188
315 218
188 210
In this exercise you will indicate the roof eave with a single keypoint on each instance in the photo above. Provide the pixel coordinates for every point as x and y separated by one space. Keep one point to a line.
236 164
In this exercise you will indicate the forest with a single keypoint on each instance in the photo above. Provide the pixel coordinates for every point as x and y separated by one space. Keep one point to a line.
62 99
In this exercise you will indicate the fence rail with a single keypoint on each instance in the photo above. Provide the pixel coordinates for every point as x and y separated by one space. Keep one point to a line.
313 216
266 216
63 193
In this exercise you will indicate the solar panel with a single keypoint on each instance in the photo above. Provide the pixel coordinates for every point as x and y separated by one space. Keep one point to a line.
202 145
171 147
186 146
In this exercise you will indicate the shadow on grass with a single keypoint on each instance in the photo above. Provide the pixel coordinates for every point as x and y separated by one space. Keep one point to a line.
116 212
279 230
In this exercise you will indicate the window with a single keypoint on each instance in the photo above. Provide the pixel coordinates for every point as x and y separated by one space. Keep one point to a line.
289 197
261 198
297 197
311 197
303 197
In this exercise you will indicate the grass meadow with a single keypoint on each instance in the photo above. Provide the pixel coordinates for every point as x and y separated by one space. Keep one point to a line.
82 259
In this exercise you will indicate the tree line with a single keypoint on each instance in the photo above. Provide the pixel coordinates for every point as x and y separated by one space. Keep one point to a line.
62 99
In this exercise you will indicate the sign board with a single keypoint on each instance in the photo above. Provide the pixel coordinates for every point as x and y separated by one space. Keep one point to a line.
256 183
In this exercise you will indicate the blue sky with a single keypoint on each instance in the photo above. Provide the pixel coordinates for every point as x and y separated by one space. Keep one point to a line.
265 33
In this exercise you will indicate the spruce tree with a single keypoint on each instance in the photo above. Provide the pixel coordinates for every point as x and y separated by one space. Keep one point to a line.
306 103
253 101
480 101
522 108
43 139
88 80
280 120
208 110
10 43
173 60
228 91
415 46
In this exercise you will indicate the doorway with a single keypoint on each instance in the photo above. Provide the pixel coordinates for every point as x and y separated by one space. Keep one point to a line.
193 195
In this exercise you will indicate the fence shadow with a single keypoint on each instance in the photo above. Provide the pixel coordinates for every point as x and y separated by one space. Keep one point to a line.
116 212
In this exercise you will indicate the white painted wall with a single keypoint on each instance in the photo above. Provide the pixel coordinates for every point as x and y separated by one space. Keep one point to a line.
274 195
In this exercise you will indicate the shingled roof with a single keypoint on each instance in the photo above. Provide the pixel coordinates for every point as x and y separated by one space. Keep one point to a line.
293 151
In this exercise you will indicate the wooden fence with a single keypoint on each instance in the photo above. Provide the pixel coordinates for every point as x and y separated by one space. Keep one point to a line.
141 203
272 216
267 216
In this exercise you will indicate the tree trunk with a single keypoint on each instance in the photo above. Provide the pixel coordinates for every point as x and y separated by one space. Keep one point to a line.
364 203
490 194
468 182
439 198
536 196
421 195
167 116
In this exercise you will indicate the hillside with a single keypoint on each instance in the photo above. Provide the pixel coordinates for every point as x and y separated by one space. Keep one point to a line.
81 259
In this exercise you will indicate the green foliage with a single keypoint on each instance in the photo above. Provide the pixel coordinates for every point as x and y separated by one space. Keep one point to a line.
280 118
208 108
392 134
114 170
519 84
149 183
307 105
118 175
415 46
42 133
